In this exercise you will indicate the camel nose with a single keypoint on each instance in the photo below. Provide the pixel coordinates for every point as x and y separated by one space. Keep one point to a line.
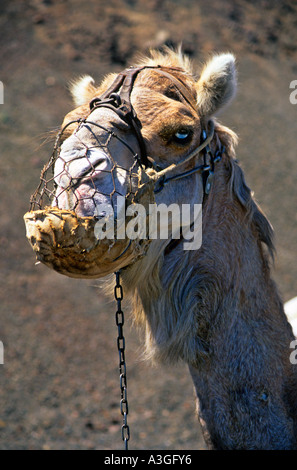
73 165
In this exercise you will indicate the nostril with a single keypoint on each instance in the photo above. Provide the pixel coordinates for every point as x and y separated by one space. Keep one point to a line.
95 162
97 158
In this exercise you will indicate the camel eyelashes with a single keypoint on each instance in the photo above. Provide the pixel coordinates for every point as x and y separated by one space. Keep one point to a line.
182 136
176 133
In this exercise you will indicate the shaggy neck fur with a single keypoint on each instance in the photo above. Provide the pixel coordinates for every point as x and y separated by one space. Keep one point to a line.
177 296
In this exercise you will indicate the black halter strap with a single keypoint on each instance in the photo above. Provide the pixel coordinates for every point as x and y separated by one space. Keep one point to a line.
118 98
119 102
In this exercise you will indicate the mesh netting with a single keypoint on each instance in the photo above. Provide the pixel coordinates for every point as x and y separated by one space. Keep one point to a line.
49 194
62 224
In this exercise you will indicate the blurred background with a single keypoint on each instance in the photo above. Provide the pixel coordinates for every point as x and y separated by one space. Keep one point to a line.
59 386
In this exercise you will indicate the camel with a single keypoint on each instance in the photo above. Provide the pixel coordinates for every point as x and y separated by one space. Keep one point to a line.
216 308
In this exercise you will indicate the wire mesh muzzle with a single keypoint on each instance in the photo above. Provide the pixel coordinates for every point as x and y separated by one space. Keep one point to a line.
48 194
66 241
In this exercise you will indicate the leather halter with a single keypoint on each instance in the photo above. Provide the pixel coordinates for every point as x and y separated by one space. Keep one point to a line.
118 98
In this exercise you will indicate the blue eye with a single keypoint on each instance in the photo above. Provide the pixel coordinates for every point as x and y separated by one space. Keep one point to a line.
182 136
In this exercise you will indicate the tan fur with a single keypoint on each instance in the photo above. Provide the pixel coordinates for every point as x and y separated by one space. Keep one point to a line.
217 84
168 58
166 311
82 90
168 321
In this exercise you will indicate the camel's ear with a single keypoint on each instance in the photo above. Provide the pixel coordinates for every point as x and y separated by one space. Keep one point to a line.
217 84
82 90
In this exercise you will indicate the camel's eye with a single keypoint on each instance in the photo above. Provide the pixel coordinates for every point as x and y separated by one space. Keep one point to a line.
182 136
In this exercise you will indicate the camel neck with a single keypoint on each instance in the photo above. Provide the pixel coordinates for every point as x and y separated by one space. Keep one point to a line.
245 382
218 310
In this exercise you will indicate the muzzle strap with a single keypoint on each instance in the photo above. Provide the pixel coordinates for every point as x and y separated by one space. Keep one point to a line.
117 98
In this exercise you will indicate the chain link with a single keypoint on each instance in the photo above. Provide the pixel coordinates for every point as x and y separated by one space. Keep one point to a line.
118 293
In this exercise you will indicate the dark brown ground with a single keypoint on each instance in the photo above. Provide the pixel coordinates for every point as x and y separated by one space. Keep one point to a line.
59 384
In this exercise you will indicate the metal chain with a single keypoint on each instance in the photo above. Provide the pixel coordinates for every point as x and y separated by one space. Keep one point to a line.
118 293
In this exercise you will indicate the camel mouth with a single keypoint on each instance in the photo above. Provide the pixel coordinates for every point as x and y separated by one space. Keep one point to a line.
87 181
68 244
90 175
84 199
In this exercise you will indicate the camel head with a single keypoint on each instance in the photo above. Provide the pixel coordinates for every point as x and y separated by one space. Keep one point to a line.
150 125
97 155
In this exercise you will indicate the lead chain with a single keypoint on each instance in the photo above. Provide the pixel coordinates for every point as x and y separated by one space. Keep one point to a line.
118 293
